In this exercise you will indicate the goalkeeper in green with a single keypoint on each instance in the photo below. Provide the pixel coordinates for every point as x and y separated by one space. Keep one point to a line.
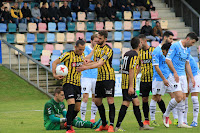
55 107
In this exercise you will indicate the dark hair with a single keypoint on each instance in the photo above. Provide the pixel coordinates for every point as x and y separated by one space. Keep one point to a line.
167 34
44 3
142 36
135 41
58 90
5 7
103 33
157 22
166 46
80 41
93 36
192 35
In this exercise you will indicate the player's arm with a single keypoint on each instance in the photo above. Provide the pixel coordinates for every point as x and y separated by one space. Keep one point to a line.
90 66
89 56
189 72
131 76
161 75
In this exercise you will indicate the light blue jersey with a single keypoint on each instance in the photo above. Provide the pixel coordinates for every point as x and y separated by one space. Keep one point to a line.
159 59
194 66
90 73
178 55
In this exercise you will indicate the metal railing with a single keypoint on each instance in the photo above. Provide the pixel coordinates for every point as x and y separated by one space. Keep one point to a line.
27 77
190 16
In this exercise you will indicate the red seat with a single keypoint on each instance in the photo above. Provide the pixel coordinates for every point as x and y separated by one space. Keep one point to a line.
42 27
45 60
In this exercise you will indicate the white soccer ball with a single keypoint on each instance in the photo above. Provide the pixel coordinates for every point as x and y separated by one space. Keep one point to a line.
62 70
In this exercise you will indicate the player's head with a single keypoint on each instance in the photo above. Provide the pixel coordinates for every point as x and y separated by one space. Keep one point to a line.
147 22
168 37
80 47
135 43
191 39
59 94
165 48
143 40
102 37
94 39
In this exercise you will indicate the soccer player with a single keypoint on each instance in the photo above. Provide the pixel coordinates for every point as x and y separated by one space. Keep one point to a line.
160 74
129 73
145 64
71 82
88 83
105 84
55 107
194 92
178 61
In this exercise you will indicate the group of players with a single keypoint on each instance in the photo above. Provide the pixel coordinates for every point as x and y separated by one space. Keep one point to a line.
163 69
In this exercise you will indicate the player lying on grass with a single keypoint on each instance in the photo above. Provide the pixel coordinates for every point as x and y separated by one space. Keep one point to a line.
53 110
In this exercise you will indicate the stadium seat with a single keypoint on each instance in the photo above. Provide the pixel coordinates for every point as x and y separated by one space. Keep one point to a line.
29 49
108 25
56 53
33 4
136 25
81 16
70 37
92 7
116 51
145 15
118 45
127 36
88 36
45 60
164 24
20 47
46 53
30 38
126 45
3 28
99 26
90 16
73 16
49 47
80 26
175 34
36 55
127 25
20 38
143 23
118 36
69 47
124 50
22 27
154 15
40 38
136 33
90 26
12 27
136 15
60 37
10 38
50 37
39 48
109 44
127 15
149 43
71 26
59 47
42 27
110 38
32 27
79 35
51 27
116 64
119 15
154 43
153 23
193 48
61 27
118 25
53 58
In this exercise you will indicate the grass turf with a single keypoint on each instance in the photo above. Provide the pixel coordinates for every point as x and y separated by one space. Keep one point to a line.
21 109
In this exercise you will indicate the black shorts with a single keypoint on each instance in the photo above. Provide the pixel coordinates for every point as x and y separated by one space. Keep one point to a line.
72 91
105 88
127 97
145 88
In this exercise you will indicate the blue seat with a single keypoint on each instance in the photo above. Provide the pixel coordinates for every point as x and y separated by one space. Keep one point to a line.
118 25
12 27
127 35
92 7
149 43
61 27
73 16
116 51
126 45
54 57
69 47
110 38
29 49
136 15
118 36
39 48
153 22
3 28
51 27
119 15
136 25
90 16
22 27
10 38
145 15
56 52
116 64
50 37
30 38
88 36
136 33
40 38
71 26
36 55
90 26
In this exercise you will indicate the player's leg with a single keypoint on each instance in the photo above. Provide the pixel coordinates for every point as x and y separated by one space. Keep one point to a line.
186 109
154 100
195 101
174 111
93 106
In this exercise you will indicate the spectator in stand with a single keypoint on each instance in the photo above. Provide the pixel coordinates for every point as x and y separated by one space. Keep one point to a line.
53 13
84 5
44 13
75 5
1 11
16 14
27 17
123 5
157 32
100 11
36 14
111 12
65 13
6 17
132 5
149 5
140 4
147 31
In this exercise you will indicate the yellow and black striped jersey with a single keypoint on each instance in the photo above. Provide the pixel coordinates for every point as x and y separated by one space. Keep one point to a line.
72 60
145 57
105 53
130 61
